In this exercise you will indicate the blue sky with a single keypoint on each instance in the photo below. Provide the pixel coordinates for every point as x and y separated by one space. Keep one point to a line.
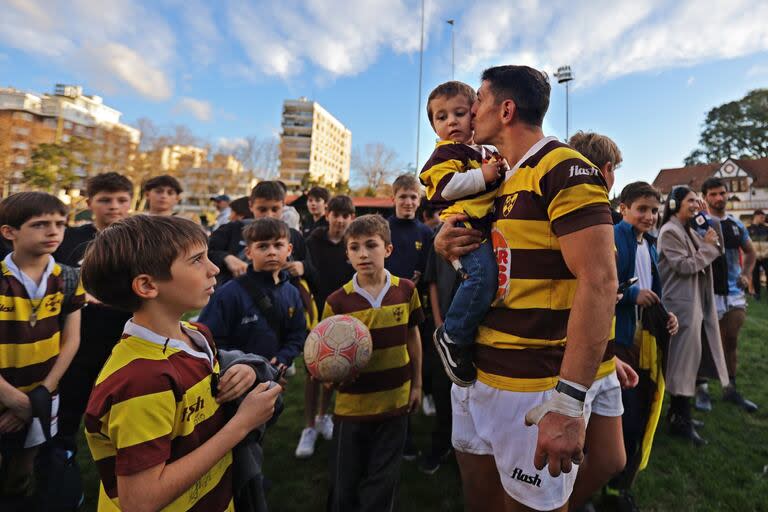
646 72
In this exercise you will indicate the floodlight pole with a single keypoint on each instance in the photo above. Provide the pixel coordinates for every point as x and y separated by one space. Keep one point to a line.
565 75
453 50
421 70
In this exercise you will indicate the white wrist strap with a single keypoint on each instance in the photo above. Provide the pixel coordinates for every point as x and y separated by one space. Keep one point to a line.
559 403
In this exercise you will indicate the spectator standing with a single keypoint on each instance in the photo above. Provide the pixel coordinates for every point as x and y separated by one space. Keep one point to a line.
758 232
222 206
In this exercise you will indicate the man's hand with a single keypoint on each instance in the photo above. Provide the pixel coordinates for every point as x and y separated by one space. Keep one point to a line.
236 380
9 422
628 377
416 277
453 242
672 324
745 283
646 298
414 400
560 443
295 268
257 407
235 265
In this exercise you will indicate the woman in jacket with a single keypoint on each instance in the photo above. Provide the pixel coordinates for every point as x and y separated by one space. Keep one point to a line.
685 260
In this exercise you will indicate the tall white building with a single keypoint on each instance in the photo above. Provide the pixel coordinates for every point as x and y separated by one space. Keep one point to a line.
313 143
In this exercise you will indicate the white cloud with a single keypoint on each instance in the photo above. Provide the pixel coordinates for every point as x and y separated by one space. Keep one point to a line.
230 144
199 109
691 80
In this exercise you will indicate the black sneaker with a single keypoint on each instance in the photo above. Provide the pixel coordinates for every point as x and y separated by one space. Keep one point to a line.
730 394
703 401
410 452
430 462
680 426
456 359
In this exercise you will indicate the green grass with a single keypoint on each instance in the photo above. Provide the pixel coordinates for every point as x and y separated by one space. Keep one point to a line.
731 473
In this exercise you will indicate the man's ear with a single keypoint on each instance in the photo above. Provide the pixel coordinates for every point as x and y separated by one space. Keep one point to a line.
144 286
622 208
508 111
8 232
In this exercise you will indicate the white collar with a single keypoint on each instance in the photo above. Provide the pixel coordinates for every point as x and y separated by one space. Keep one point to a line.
532 151
133 329
374 302
35 291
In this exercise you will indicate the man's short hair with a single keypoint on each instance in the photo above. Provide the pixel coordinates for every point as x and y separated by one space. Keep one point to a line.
142 244
598 149
265 228
242 207
406 182
341 205
108 182
319 193
368 225
18 208
449 90
637 190
163 181
269 191
529 88
758 212
711 183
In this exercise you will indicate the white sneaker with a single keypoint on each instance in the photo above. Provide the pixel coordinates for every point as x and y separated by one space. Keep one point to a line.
428 405
291 371
324 425
306 447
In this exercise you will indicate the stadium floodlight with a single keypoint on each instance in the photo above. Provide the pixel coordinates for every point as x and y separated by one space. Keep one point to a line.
565 75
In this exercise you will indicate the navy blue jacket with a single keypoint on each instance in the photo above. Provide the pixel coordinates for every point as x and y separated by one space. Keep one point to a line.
410 239
625 238
237 323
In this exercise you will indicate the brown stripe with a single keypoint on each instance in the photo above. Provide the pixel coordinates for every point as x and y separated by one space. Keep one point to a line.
21 332
522 205
460 152
132 459
542 324
386 337
27 375
383 380
106 468
416 317
533 363
184 445
218 498
190 370
582 218
537 264
92 424
534 159
400 411
138 378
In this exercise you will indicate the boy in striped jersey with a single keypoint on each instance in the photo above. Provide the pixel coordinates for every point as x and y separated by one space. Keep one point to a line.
154 422
39 332
462 178
371 412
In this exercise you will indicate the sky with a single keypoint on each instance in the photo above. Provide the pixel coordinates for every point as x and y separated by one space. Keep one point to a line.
646 72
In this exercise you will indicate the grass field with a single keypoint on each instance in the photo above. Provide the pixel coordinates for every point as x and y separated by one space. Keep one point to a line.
731 473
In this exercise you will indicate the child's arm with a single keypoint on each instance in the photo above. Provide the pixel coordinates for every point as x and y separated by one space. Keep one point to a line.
15 400
414 353
434 303
70 342
156 487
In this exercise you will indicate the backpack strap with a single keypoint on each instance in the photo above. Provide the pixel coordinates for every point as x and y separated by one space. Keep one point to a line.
263 302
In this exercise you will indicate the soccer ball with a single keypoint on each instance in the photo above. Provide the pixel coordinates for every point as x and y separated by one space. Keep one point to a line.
337 349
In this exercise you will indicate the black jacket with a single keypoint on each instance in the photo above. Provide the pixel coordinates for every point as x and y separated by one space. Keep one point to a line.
332 259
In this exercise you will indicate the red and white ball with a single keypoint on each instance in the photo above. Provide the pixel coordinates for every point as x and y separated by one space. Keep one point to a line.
337 348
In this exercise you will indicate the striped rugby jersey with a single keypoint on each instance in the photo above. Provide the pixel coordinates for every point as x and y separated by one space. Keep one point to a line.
383 387
153 404
473 197
553 191
27 352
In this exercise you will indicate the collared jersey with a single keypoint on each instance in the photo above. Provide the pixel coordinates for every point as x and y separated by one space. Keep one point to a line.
383 387
551 192
28 352
153 404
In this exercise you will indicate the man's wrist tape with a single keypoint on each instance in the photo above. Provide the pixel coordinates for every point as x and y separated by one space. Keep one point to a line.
572 389
561 402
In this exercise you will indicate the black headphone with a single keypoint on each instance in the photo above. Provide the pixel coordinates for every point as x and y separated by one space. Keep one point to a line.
676 196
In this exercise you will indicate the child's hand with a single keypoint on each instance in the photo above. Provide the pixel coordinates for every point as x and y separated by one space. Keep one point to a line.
281 368
491 171
258 406
9 422
295 268
235 265
236 380
414 401
672 325
628 377
646 298
18 402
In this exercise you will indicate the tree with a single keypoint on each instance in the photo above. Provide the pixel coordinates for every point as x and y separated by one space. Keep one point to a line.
259 156
736 129
376 166
53 167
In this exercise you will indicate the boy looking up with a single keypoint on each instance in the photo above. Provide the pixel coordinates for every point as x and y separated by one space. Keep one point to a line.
163 194
326 245
461 180
39 331
154 424
260 312
317 204
371 412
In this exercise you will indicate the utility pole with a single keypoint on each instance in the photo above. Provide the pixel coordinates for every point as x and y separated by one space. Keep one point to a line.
421 71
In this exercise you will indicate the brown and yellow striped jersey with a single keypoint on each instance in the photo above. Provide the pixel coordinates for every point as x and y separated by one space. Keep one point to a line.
153 404
552 192
384 385
28 352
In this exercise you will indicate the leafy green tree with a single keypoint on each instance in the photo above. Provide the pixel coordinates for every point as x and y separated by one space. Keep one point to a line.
737 129
53 166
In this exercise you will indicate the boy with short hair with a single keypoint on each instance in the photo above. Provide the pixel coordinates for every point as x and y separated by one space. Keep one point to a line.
326 245
163 194
260 312
371 411
462 178
317 203
39 333
154 424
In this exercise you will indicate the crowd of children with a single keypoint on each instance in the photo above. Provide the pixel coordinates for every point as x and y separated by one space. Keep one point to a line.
170 406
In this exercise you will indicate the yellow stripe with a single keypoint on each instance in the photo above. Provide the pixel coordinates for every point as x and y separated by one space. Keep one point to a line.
386 358
528 234
529 178
383 317
183 426
101 447
19 355
202 487
575 198
432 176
499 339
540 294
150 417
477 207
369 404
415 301
327 311
20 308
606 368
535 385
131 349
